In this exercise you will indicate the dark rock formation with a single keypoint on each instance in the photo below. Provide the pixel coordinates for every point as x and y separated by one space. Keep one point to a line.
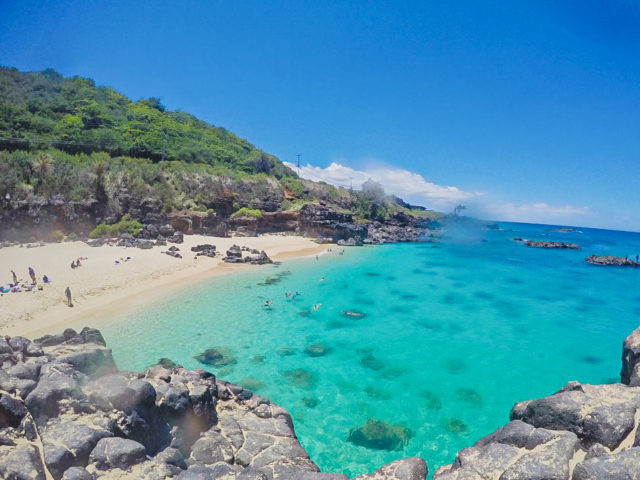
205 249
216 357
255 257
630 373
320 221
611 261
81 419
547 244
271 222
380 435
177 237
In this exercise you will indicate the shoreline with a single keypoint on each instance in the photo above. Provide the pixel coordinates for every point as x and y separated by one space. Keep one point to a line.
102 289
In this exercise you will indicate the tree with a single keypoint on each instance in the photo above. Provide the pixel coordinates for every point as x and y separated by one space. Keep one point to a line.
458 209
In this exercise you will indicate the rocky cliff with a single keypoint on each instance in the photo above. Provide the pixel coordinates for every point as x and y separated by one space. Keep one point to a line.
67 412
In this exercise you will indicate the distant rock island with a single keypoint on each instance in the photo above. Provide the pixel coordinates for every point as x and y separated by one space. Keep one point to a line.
610 260
67 412
548 244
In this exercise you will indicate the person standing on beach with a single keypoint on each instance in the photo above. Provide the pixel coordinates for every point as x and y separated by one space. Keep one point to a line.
67 293
32 274
15 278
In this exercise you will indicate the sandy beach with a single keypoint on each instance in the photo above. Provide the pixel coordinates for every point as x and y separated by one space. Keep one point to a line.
101 287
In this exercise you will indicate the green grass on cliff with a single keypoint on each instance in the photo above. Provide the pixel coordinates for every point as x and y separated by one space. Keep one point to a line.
83 156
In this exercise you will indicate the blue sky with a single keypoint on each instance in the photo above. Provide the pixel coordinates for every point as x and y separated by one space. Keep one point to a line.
528 110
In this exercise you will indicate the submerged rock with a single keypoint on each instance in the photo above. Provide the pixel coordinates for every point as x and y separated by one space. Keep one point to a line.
432 402
300 378
371 362
317 350
216 357
251 383
469 395
380 435
455 425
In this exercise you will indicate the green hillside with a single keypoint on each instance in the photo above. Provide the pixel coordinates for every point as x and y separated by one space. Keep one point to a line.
74 155
74 115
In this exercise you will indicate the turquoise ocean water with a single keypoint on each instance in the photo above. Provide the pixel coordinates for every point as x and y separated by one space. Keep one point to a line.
454 334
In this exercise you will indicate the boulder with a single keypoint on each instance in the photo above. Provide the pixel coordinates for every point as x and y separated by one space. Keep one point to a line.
12 410
22 462
595 413
624 465
216 357
76 473
177 237
380 435
116 452
630 373
412 468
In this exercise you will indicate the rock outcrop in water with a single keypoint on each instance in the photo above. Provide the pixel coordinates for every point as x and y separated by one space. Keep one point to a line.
582 432
610 260
67 412
547 244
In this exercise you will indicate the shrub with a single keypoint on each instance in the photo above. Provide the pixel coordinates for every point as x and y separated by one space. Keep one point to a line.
247 212
294 185
125 225
72 236
57 236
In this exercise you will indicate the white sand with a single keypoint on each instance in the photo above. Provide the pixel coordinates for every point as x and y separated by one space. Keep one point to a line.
101 288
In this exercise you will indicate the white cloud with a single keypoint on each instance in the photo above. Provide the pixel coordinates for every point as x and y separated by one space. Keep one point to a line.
537 212
412 187
403 183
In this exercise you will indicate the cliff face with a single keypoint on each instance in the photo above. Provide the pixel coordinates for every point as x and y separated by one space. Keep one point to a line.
67 412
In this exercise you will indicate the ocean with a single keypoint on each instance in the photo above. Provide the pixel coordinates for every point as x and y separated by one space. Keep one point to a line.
446 338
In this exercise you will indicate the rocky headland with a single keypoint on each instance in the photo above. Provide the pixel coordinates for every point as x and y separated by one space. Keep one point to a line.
67 412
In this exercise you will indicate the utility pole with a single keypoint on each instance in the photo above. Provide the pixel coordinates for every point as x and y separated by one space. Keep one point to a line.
351 183
298 155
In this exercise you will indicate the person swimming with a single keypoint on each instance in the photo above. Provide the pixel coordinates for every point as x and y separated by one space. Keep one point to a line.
316 307
268 303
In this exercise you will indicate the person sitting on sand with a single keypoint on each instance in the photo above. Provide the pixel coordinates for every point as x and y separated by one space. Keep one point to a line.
45 279
32 274
73 264
67 293
15 277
